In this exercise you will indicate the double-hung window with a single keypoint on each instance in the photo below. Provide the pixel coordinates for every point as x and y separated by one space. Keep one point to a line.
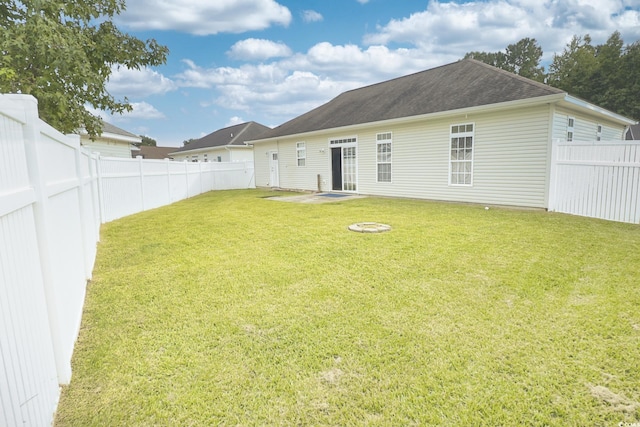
598 132
383 160
301 153
570 122
461 157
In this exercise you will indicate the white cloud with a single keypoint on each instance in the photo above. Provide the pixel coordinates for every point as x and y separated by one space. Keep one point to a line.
285 84
138 83
235 120
363 1
141 110
311 16
205 17
492 25
258 49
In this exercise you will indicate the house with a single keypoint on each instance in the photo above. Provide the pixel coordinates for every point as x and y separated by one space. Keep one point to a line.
150 152
633 134
112 142
223 145
465 132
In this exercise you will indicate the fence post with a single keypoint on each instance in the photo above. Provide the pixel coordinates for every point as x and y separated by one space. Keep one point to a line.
186 175
82 201
168 179
553 177
100 189
31 132
201 178
95 195
141 171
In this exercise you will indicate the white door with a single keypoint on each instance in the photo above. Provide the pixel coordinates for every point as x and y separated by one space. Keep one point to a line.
274 174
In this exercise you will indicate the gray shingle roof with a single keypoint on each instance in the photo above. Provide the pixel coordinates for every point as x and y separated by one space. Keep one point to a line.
462 84
232 135
633 133
108 127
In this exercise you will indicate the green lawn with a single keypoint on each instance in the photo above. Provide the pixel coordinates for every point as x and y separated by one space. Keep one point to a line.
232 309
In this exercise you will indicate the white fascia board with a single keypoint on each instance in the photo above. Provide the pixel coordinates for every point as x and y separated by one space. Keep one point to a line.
238 147
548 99
114 137
573 101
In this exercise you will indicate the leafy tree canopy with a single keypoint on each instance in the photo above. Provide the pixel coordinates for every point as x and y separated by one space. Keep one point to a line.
63 53
148 141
607 75
188 141
522 58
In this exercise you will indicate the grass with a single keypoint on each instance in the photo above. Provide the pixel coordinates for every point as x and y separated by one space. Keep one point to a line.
232 309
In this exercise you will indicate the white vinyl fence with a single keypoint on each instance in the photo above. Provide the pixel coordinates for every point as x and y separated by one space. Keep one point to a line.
53 197
596 179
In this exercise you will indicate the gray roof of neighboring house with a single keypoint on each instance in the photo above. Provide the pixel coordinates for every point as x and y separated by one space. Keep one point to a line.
149 152
108 127
633 133
462 84
232 135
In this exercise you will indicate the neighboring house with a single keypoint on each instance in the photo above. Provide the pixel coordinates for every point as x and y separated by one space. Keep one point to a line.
224 145
150 152
633 133
464 132
112 142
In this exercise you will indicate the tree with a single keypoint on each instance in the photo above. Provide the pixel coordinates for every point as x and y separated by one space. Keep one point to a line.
188 141
607 75
63 53
148 141
522 58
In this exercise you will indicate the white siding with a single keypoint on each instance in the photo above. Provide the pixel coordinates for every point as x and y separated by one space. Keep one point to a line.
510 159
240 155
511 149
317 163
226 155
261 161
108 148
585 126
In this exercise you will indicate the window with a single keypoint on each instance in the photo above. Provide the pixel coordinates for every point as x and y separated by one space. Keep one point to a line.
301 153
383 143
461 159
205 158
598 132
194 158
219 159
570 123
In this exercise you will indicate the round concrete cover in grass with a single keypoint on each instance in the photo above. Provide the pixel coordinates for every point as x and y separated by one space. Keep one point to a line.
369 227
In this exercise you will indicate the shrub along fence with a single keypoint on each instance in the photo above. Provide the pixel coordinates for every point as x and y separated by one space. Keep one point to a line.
53 197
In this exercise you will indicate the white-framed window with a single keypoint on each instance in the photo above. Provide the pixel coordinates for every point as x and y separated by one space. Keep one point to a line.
598 132
194 158
301 153
205 158
219 159
461 157
383 158
570 123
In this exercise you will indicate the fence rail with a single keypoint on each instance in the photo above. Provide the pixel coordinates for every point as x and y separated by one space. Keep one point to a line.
596 179
53 197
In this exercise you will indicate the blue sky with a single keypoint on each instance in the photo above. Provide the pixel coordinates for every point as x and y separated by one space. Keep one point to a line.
233 61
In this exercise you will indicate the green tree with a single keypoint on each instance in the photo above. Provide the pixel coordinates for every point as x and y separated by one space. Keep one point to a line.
522 58
148 141
188 141
573 70
607 75
63 53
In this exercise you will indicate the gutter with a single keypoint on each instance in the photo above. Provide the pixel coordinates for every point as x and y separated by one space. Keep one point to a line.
598 110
